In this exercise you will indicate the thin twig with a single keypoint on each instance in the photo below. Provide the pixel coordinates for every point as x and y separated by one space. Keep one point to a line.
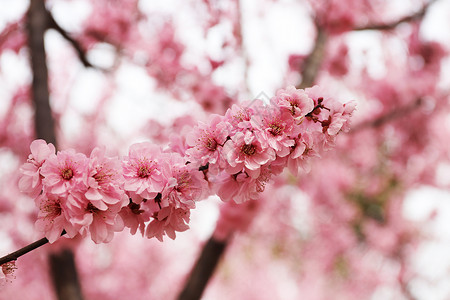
74 43
388 26
36 26
76 46
16 254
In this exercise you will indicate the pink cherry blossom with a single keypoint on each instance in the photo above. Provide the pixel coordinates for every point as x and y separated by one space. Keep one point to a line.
277 128
185 185
239 116
167 221
142 172
31 179
302 152
104 180
249 151
100 224
206 141
135 216
63 172
241 187
53 217
297 102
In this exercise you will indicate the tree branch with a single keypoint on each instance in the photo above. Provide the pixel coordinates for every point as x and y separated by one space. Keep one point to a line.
74 43
65 279
24 250
314 60
388 26
37 23
389 116
203 269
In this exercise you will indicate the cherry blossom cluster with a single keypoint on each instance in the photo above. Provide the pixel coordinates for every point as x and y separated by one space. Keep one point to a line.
153 189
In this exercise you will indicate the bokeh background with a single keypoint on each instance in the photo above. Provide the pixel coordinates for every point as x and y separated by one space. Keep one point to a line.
371 220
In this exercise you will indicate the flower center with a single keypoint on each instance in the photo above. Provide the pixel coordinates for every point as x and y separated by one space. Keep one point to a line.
102 176
211 144
248 149
144 171
52 209
67 173
183 181
276 128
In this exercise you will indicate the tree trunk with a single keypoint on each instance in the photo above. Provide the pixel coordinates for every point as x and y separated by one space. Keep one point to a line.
62 264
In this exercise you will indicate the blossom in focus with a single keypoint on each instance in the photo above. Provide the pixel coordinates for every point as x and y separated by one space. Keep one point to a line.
185 185
104 180
142 172
297 102
53 217
64 172
167 221
31 180
249 151
206 141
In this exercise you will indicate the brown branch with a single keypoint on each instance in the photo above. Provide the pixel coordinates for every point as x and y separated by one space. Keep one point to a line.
203 269
312 64
65 279
16 254
388 26
81 53
24 250
389 116
74 43
36 25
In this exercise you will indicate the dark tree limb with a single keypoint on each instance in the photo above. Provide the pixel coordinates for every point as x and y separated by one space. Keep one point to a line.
36 26
74 43
65 277
313 62
24 250
63 269
203 270
389 26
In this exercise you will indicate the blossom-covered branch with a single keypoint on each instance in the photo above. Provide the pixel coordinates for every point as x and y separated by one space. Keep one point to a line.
153 190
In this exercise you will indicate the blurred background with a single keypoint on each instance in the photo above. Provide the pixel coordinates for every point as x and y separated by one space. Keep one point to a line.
371 220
